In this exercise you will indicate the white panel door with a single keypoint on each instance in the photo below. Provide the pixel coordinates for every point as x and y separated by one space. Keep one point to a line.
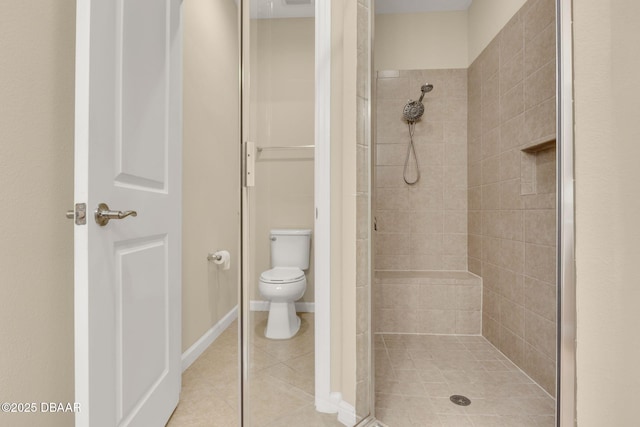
128 155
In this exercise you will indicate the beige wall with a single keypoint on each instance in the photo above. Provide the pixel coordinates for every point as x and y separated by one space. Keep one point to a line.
511 193
422 226
283 86
433 40
36 171
607 132
486 19
211 170
419 41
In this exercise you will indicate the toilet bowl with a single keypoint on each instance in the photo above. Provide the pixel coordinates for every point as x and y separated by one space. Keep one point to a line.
282 286
285 282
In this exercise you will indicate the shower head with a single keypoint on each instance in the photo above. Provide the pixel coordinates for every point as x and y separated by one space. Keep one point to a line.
413 110
426 88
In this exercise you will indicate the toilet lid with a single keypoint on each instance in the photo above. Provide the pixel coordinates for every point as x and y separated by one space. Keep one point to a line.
282 275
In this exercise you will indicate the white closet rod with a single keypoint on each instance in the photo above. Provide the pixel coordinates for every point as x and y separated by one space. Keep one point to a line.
284 147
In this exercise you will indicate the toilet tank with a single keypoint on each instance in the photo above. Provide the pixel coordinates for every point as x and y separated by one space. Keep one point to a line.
290 248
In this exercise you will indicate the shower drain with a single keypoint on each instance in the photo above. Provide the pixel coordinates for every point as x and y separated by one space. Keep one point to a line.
460 400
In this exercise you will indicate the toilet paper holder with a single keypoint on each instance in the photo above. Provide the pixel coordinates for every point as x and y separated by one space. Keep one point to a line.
221 258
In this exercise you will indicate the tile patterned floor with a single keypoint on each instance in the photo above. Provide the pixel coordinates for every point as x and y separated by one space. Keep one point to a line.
210 386
281 382
416 374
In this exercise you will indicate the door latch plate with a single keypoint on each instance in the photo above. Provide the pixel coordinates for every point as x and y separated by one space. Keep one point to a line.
79 214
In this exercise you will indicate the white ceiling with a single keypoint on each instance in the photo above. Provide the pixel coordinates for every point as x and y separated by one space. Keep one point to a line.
279 8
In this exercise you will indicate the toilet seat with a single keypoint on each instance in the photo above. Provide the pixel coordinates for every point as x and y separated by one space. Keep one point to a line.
282 275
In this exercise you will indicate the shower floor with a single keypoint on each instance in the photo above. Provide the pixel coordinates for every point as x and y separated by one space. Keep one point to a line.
416 375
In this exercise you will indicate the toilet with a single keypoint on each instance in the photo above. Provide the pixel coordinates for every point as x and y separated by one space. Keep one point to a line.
285 282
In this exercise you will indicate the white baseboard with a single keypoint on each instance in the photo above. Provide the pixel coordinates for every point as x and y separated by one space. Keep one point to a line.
302 307
327 406
335 404
346 412
193 352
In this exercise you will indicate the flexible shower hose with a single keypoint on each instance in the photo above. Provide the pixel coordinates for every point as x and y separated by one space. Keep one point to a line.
411 147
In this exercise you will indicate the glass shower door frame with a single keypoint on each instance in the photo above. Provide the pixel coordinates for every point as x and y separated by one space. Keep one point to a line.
566 271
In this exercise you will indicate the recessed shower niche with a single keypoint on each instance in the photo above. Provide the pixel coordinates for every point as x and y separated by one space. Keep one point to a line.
538 172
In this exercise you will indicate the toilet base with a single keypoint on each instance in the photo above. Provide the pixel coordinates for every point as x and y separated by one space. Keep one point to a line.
283 323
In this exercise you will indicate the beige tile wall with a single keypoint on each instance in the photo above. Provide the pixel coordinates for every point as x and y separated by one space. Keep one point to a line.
511 195
422 226
428 302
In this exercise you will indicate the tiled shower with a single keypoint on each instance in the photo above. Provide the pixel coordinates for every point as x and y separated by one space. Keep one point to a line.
484 207
422 226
